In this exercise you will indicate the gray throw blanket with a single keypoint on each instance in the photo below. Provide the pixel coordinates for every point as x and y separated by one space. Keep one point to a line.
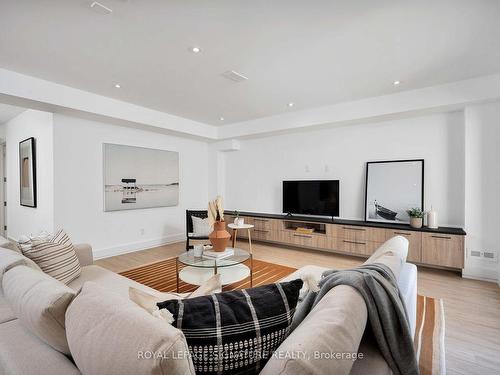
386 311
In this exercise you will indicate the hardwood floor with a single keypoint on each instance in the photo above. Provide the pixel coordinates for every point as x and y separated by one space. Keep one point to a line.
472 308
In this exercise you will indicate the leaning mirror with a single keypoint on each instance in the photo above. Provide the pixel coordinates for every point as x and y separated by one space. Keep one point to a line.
392 188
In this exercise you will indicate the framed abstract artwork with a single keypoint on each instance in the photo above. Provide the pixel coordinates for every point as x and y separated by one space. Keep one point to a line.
138 177
27 172
392 188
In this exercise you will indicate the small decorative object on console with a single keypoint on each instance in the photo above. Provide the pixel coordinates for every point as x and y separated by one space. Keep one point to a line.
220 236
416 217
239 221
432 219
304 230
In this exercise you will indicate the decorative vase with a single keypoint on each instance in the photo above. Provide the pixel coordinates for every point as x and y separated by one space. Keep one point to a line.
239 221
432 220
416 222
220 236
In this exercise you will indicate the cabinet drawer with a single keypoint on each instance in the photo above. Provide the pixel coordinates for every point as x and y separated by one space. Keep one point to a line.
415 242
358 233
309 240
443 250
263 224
353 246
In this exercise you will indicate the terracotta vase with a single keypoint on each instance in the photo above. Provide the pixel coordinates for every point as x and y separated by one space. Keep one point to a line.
220 236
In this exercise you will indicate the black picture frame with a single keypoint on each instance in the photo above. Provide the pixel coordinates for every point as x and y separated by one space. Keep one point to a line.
32 145
366 213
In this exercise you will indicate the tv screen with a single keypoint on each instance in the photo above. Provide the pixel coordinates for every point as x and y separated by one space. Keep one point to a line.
320 198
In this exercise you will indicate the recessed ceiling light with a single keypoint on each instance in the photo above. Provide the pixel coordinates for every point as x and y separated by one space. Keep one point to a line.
222 118
117 86
291 104
195 49
395 83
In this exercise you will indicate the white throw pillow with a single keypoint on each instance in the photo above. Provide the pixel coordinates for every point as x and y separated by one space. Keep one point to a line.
55 257
201 227
111 335
40 303
148 301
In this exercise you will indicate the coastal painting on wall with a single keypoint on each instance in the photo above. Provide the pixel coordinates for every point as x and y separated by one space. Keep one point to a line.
27 172
137 177
392 188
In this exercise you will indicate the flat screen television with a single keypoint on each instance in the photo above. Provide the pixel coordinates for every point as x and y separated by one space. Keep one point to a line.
311 197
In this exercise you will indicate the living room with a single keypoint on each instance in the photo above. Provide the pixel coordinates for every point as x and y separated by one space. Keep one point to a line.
237 118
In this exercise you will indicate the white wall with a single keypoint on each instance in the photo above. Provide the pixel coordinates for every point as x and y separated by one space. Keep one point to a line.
25 220
78 177
253 175
482 199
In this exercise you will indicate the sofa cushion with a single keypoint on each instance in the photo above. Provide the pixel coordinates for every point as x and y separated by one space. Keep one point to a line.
23 353
10 258
56 257
107 279
148 301
392 253
6 313
335 325
40 302
109 334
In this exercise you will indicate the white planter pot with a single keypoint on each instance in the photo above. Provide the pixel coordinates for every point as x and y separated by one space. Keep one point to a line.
239 221
416 222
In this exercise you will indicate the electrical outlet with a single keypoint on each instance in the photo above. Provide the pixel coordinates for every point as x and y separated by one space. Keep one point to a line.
142 231
486 255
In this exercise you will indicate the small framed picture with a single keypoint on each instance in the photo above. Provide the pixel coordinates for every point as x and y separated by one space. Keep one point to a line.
27 172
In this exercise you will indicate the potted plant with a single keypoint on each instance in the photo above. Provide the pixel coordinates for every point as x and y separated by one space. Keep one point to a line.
220 236
239 221
416 217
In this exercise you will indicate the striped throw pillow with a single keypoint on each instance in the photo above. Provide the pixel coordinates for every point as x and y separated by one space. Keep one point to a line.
56 257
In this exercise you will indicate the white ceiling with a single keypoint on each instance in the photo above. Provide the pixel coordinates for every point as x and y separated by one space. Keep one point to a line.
310 53
8 112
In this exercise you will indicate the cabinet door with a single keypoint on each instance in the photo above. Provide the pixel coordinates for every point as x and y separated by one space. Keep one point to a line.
443 250
415 243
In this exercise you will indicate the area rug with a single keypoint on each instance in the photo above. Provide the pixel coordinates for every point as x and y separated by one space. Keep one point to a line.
161 276
429 336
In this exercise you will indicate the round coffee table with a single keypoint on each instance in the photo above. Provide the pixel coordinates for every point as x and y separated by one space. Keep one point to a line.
199 269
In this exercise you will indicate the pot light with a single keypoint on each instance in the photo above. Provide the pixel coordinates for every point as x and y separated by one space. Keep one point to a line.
117 86
196 49
222 118
291 104
396 83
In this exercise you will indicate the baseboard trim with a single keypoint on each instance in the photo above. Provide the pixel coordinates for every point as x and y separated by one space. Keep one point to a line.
482 275
137 246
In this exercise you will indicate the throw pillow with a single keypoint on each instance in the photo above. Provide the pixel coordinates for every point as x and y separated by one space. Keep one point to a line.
110 335
235 332
201 227
40 303
56 257
149 301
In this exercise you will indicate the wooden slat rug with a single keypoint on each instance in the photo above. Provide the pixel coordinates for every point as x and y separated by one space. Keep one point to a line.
429 336
161 276
429 333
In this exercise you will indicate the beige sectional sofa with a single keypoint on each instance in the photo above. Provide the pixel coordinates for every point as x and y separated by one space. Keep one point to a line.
105 330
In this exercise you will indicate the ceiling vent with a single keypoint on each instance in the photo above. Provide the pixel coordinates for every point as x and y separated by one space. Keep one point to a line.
100 8
234 76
